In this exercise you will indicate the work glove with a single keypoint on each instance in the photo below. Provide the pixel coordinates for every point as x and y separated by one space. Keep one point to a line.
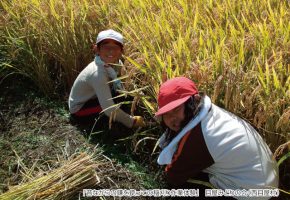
138 122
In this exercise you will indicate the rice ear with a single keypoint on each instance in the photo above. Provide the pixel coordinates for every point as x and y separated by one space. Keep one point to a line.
61 183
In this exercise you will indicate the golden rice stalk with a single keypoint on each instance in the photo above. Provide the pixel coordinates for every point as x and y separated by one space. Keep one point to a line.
283 122
279 151
217 88
62 183
134 104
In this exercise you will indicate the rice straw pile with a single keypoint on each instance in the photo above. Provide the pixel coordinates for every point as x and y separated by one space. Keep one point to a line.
62 183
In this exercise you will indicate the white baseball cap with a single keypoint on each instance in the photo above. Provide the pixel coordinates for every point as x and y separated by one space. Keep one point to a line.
110 34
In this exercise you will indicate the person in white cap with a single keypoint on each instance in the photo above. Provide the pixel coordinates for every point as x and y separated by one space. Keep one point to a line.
96 85
204 140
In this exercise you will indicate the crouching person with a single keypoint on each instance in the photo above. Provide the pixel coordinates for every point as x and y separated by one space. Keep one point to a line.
93 90
203 140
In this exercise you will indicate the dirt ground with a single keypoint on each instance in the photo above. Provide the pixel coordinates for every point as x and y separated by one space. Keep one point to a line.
36 136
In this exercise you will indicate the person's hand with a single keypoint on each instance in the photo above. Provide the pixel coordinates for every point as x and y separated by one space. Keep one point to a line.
138 122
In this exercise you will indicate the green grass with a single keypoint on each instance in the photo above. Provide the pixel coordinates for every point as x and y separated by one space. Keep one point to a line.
37 137
236 51
141 168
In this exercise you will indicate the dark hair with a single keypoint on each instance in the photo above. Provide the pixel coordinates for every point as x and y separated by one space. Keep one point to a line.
104 41
192 108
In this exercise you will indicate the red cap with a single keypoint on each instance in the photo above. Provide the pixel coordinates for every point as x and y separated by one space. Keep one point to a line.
173 93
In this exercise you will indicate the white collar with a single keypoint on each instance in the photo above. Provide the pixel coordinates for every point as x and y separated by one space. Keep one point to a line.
165 157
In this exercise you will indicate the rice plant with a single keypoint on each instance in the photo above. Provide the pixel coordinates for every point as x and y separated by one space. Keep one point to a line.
62 183
236 51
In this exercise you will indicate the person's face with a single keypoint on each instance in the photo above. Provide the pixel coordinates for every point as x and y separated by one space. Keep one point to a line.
173 119
109 51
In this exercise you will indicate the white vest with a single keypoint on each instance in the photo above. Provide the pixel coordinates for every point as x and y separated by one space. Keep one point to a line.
242 159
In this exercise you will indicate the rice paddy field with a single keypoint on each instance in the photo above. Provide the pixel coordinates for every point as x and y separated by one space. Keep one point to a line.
238 52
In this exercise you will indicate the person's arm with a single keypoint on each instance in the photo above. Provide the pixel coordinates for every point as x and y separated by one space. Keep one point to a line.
191 157
103 92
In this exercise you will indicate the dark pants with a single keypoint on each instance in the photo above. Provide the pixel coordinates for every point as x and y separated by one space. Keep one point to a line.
93 123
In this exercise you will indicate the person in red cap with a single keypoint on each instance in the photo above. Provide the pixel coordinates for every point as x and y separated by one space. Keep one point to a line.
96 85
204 140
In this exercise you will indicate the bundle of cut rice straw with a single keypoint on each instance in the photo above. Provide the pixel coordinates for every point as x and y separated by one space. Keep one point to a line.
62 183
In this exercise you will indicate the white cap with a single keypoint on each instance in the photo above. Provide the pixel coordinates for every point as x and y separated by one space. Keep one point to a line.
110 34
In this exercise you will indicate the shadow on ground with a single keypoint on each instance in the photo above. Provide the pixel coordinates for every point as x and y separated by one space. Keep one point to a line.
36 136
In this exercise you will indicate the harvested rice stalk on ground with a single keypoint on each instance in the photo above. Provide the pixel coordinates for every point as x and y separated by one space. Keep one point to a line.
61 183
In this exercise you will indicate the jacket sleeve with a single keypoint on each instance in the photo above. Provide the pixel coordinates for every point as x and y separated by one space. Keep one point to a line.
191 157
103 92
